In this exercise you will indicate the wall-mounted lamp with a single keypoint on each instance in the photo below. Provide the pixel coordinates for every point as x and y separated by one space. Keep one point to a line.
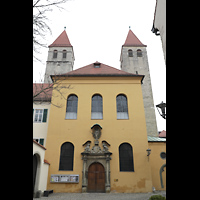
162 106
148 152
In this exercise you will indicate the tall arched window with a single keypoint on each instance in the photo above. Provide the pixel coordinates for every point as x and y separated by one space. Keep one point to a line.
126 157
139 53
55 52
71 111
97 107
66 156
122 107
130 53
64 53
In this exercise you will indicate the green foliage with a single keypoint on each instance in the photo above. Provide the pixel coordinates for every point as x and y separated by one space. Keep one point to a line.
157 197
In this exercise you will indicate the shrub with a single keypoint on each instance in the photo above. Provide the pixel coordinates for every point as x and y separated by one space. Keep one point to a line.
157 197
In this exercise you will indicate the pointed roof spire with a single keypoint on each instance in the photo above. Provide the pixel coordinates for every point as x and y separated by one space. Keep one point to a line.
61 41
132 40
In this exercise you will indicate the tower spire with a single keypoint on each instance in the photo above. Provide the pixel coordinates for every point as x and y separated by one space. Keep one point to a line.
60 57
61 41
132 40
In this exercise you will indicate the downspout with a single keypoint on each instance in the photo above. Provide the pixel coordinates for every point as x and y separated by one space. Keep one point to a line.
161 179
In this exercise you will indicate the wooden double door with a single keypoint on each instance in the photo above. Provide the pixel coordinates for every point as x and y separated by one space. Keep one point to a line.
96 178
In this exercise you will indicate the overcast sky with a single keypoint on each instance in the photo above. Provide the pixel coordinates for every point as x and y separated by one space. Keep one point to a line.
97 29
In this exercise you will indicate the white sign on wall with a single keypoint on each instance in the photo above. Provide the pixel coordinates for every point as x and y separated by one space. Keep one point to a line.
63 178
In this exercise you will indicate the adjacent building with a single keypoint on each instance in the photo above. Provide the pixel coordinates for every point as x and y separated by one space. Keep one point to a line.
41 108
159 23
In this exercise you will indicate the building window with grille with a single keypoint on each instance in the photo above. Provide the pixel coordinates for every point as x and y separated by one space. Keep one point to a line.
55 52
66 156
71 110
130 53
122 107
126 158
139 53
40 115
97 107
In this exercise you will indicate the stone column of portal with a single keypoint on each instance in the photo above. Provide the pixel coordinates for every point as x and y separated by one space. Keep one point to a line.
84 181
107 173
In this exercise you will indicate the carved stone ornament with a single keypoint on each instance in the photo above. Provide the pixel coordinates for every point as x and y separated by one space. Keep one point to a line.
105 148
96 149
96 132
87 148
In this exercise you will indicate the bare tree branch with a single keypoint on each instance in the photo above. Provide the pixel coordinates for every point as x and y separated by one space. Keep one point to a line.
40 25
42 92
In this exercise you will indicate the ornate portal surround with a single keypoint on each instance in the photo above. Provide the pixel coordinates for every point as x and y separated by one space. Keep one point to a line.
96 155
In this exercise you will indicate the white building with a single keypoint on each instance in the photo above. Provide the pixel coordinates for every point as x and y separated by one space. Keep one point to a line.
159 23
41 110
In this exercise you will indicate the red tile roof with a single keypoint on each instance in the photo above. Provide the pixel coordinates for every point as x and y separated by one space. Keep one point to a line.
42 91
133 41
162 134
102 70
45 161
61 41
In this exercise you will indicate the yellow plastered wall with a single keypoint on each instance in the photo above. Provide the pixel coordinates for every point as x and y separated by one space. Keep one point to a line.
156 163
114 131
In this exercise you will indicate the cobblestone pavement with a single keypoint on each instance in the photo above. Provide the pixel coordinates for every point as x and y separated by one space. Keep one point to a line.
102 196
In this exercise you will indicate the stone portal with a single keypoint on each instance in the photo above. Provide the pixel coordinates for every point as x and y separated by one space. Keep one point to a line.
96 155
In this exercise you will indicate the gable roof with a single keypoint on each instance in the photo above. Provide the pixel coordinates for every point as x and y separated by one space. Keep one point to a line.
61 41
101 71
42 92
132 40
162 134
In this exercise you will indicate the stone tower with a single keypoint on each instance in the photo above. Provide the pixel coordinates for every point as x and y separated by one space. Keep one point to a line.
60 57
134 60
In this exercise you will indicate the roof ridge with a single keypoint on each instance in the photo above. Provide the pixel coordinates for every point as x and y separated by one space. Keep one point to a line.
98 70
102 65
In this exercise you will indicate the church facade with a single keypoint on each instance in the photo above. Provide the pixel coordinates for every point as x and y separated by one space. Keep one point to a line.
97 138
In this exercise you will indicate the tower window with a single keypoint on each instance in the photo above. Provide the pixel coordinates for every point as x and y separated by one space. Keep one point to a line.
130 53
139 53
55 52
64 53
